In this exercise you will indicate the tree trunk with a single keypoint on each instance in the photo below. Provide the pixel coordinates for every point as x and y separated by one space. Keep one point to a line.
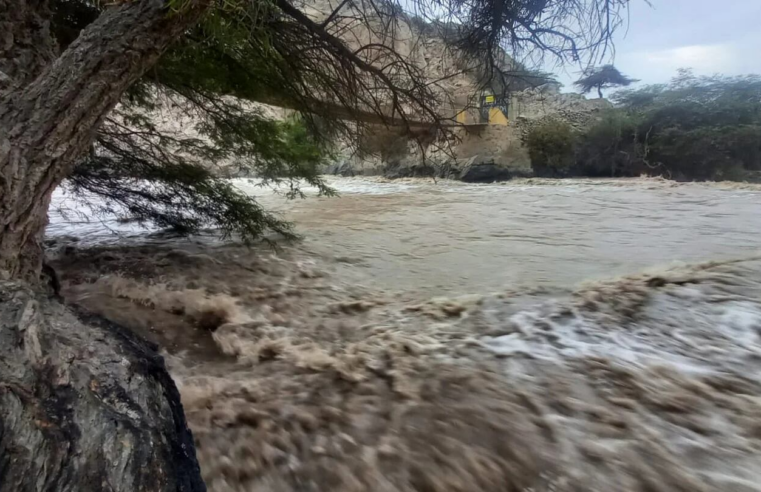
599 91
26 46
85 405
48 123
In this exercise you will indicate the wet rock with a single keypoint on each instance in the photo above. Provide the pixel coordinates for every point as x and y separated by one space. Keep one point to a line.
484 172
340 168
406 170
85 405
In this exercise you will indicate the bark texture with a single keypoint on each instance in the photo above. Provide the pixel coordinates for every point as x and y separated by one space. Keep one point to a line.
85 405
26 46
46 124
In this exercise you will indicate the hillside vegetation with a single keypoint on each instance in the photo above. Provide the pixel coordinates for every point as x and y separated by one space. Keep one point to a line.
694 128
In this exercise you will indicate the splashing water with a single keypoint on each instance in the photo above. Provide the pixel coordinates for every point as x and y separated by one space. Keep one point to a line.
354 361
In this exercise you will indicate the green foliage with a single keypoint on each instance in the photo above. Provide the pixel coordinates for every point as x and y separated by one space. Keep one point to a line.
183 197
147 173
711 152
141 173
551 145
700 127
695 128
601 78
609 147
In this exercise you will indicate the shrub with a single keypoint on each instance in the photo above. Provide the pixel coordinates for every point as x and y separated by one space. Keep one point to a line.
611 147
708 153
695 128
551 146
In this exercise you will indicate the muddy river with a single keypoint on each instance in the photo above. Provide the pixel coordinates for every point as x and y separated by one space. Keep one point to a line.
585 335
451 237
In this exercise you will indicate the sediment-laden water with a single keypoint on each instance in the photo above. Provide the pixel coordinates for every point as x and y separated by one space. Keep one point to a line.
529 336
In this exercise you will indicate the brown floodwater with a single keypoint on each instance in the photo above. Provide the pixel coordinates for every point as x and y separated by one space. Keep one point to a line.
532 336
450 237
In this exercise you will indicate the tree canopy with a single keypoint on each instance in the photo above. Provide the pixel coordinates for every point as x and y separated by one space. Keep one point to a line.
697 127
601 78
694 128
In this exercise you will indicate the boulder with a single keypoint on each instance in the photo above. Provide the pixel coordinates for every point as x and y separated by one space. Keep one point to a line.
396 171
85 405
340 168
484 172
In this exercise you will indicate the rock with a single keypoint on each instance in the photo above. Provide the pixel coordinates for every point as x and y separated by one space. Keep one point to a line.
396 171
85 405
340 168
485 172
472 170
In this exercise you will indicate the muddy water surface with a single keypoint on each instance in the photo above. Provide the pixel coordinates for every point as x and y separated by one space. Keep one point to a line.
454 237
450 237
434 337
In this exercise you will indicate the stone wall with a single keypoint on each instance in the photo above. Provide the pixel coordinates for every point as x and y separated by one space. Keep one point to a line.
533 105
501 145
538 103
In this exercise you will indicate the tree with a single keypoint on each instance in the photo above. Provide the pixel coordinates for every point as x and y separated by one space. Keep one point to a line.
143 171
693 128
551 146
601 78
703 128
53 101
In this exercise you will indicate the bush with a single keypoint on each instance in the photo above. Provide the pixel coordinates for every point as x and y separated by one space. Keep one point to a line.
744 144
708 153
695 128
551 146
610 147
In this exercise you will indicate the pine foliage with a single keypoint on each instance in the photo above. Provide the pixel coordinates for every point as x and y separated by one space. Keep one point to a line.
604 77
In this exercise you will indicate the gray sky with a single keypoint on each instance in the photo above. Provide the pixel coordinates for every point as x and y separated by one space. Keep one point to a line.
709 36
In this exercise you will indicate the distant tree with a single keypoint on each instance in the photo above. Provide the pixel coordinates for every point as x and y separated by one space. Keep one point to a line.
603 78
693 128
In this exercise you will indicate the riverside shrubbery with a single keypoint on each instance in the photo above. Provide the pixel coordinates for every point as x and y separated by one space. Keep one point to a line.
694 128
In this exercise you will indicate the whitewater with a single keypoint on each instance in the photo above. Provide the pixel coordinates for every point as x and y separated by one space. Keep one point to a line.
534 335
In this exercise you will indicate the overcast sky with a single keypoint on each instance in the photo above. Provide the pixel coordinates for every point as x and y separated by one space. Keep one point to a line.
710 36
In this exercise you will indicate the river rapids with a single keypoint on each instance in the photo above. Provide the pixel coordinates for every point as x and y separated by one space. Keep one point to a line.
537 335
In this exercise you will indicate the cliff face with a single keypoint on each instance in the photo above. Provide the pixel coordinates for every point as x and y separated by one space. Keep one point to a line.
388 151
495 145
411 38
